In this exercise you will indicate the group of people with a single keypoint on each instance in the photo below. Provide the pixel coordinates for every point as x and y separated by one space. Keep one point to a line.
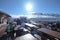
7 25
11 24
51 25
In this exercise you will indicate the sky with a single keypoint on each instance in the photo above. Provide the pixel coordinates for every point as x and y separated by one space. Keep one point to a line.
18 7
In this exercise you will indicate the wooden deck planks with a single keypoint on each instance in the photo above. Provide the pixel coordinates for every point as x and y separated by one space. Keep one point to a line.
26 37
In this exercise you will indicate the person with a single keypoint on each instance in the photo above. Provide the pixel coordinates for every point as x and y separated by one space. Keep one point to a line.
18 22
53 27
10 30
48 27
23 24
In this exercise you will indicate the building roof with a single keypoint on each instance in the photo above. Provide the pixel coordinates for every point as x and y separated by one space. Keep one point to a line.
3 13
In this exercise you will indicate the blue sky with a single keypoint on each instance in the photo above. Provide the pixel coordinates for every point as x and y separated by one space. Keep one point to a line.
17 7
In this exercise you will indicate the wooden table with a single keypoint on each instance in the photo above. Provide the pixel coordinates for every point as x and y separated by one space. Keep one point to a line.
26 37
50 32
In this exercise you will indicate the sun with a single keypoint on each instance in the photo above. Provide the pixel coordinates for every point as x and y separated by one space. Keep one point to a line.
29 7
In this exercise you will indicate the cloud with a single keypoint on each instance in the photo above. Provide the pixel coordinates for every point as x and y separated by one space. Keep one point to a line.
15 16
33 16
